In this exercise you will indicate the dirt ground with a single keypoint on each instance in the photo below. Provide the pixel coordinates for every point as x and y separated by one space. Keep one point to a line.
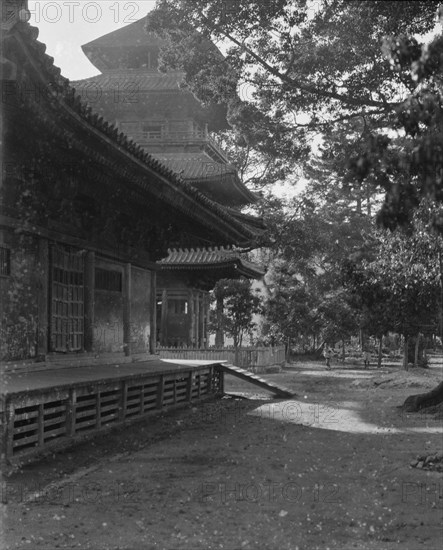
327 469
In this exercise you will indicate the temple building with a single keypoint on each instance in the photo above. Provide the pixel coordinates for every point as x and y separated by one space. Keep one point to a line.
86 215
167 120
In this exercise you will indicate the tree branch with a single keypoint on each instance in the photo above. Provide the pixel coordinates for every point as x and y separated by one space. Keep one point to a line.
291 81
258 178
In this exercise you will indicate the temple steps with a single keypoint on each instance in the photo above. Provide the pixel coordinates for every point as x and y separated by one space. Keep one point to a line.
256 380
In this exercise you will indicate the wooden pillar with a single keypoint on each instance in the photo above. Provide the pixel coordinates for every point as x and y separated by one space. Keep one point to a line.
71 413
160 391
89 301
153 316
198 331
41 425
123 399
127 309
44 307
191 319
9 435
205 320
189 386
164 316
219 335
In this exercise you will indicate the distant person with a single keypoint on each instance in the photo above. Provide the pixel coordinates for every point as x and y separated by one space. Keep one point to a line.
327 354
366 358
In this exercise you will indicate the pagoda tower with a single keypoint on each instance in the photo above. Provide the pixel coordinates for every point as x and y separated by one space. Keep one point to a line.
167 120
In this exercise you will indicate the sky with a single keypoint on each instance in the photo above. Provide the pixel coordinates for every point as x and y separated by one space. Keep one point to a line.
65 25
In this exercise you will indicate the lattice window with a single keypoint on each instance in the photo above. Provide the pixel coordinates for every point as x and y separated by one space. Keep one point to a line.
5 261
106 279
67 299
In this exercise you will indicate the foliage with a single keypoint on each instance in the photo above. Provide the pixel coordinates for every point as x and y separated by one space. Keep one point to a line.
311 242
293 70
337 316
240 305
412 165
398 278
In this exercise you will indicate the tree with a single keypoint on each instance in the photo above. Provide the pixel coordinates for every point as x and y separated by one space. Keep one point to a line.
294 54
311 239
294 69
240 304
413 170
338 318
398 280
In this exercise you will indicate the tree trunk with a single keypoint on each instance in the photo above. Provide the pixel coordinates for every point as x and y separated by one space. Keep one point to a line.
440 265
417 350
359 200
420 401
368 200
405 353
380 351
236 351
343 351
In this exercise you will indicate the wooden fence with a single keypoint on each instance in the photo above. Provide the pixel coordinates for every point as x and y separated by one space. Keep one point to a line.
36 420
254 359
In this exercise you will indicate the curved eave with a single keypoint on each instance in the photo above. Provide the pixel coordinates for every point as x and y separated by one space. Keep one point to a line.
116 80
239 193
241 268
253 222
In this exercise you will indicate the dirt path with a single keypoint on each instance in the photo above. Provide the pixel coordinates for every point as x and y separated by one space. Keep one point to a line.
329 469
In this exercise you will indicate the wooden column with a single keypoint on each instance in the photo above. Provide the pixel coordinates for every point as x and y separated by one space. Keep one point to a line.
9 435
219 335
127 310
189 386
153 316
89 300
205 320
44 307
191 318
123 399
199 330
71 412
163 329
41 425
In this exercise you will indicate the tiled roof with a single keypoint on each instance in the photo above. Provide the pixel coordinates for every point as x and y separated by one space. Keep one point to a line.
248 219
184 196
204 258
130 35
135 34
218 181
140 80
194 166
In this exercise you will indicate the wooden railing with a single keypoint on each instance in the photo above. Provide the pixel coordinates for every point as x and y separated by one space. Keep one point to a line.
247 358
36 420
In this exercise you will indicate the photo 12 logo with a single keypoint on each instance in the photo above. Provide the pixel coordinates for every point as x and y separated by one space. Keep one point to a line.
51 11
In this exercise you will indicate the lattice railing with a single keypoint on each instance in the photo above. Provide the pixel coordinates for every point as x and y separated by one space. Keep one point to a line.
37 420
